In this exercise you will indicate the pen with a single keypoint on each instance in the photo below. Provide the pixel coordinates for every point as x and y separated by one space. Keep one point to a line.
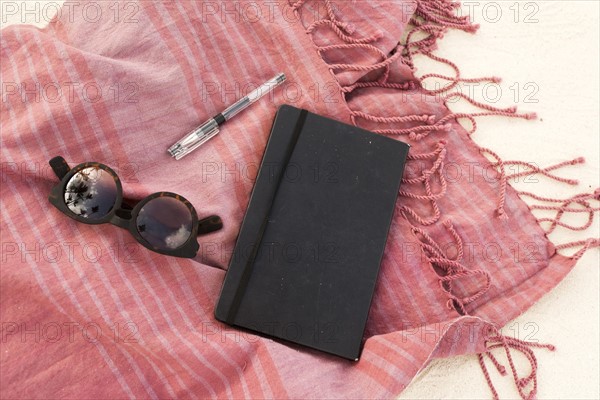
210 128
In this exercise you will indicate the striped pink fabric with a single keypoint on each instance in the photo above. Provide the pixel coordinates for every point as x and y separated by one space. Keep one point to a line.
86 312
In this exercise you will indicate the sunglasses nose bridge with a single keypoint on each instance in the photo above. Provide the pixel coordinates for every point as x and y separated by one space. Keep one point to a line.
122 218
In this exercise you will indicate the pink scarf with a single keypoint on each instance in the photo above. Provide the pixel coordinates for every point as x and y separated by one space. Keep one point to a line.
88 313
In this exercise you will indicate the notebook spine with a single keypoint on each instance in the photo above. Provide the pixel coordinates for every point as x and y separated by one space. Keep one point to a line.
265 191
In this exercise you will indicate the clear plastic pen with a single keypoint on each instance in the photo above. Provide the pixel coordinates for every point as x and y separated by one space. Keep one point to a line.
210 128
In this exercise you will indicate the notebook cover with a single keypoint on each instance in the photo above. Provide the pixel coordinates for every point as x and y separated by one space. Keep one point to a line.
307 256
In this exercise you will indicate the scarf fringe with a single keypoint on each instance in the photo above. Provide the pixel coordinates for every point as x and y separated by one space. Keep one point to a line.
527 386
425 180
452 268
434 18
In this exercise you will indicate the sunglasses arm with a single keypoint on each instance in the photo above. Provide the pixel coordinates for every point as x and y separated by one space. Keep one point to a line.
60 167
209 224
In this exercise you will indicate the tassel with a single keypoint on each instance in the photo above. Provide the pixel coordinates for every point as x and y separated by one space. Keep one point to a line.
453 268
494 340
436 169
587 244
581 199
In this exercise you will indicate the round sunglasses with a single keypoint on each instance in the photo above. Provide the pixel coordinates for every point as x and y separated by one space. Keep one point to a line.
163 222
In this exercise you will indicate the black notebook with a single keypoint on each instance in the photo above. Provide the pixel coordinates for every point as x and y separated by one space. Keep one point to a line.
307 256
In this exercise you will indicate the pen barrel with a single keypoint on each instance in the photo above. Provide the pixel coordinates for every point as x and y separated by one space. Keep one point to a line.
235 108
253 96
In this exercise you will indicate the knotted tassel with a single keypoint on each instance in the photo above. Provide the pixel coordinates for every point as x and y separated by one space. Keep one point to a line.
494 340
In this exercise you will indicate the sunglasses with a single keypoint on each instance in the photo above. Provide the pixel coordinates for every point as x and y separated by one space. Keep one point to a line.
163 222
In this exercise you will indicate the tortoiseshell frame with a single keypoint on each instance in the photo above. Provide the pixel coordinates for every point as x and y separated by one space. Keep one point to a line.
124 216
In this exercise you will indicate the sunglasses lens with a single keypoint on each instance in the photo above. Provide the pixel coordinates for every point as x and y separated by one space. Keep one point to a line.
91 193
165 223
